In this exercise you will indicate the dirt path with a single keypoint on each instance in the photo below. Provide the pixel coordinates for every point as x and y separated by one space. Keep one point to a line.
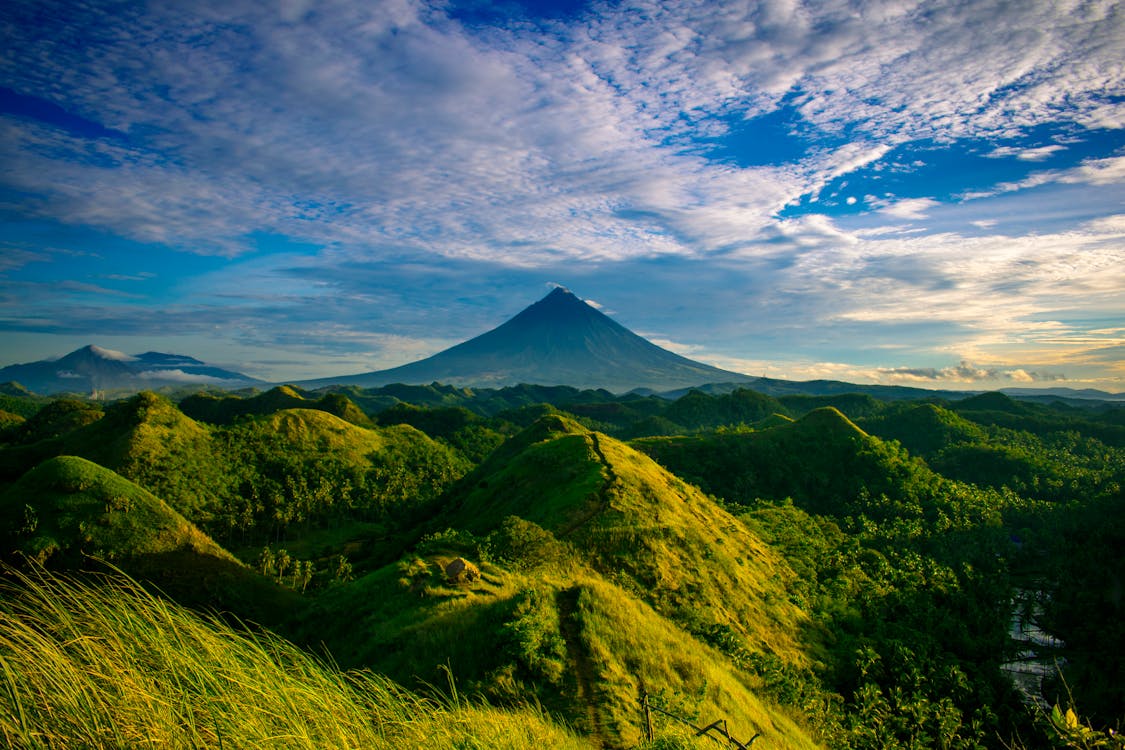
580 664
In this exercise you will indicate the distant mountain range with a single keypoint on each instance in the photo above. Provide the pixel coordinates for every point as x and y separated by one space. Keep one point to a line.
559 340
94 369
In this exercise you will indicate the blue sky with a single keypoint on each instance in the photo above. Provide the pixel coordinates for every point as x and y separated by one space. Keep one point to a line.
919 193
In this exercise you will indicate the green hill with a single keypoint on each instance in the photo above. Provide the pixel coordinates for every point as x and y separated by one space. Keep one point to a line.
924 429
56 418
608 576
822 460
71 513
9 421
630 519
563 638
264 478
224 409
70 507
696 410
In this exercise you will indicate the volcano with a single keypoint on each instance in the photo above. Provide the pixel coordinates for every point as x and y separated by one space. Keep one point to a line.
559 340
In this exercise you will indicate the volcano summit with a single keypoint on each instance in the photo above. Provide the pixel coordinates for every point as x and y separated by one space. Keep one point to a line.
559 340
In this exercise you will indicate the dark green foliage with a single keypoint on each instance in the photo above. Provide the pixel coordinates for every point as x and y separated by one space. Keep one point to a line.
56 418
470 434
1040 419
9 422
1085 603
696 410
822 460
226 409
16 399
520 544
923 429
855 405
298 470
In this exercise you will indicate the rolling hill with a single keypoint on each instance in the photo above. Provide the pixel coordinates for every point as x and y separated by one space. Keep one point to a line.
606 577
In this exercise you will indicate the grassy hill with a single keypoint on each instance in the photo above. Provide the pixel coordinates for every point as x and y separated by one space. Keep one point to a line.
601 576
924 429
559 636
265 478
71 507
111 666
631 519
822 460
811 579
70 513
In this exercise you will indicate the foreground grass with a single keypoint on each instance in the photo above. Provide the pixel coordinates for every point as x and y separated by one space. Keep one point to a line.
108 665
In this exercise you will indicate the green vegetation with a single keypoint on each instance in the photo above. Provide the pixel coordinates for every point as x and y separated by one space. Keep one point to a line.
111 666
832 571
81 509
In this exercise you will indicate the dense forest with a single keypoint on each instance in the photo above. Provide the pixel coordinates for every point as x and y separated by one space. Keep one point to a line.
559 567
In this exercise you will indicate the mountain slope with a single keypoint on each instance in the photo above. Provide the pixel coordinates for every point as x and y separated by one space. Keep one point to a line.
559 340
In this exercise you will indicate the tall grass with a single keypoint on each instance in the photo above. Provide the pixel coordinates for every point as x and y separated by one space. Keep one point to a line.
107 665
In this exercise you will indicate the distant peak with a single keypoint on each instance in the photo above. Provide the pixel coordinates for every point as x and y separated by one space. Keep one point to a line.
113 354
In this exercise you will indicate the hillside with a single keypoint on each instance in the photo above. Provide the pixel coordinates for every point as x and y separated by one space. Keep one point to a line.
608 576
69 513
81 509
225 409
631 519
259 479
822 460
109 665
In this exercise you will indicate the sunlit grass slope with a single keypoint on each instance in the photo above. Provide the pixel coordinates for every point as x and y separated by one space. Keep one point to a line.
560 636
634 521
71 507
112 666
70 513
601 575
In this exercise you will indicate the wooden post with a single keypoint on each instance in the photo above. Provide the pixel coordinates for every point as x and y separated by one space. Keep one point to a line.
648 716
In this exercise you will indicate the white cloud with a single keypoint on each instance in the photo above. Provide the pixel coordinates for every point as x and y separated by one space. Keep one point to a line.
1025 154
382 131
909 208
1095 172
387 123
180 376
